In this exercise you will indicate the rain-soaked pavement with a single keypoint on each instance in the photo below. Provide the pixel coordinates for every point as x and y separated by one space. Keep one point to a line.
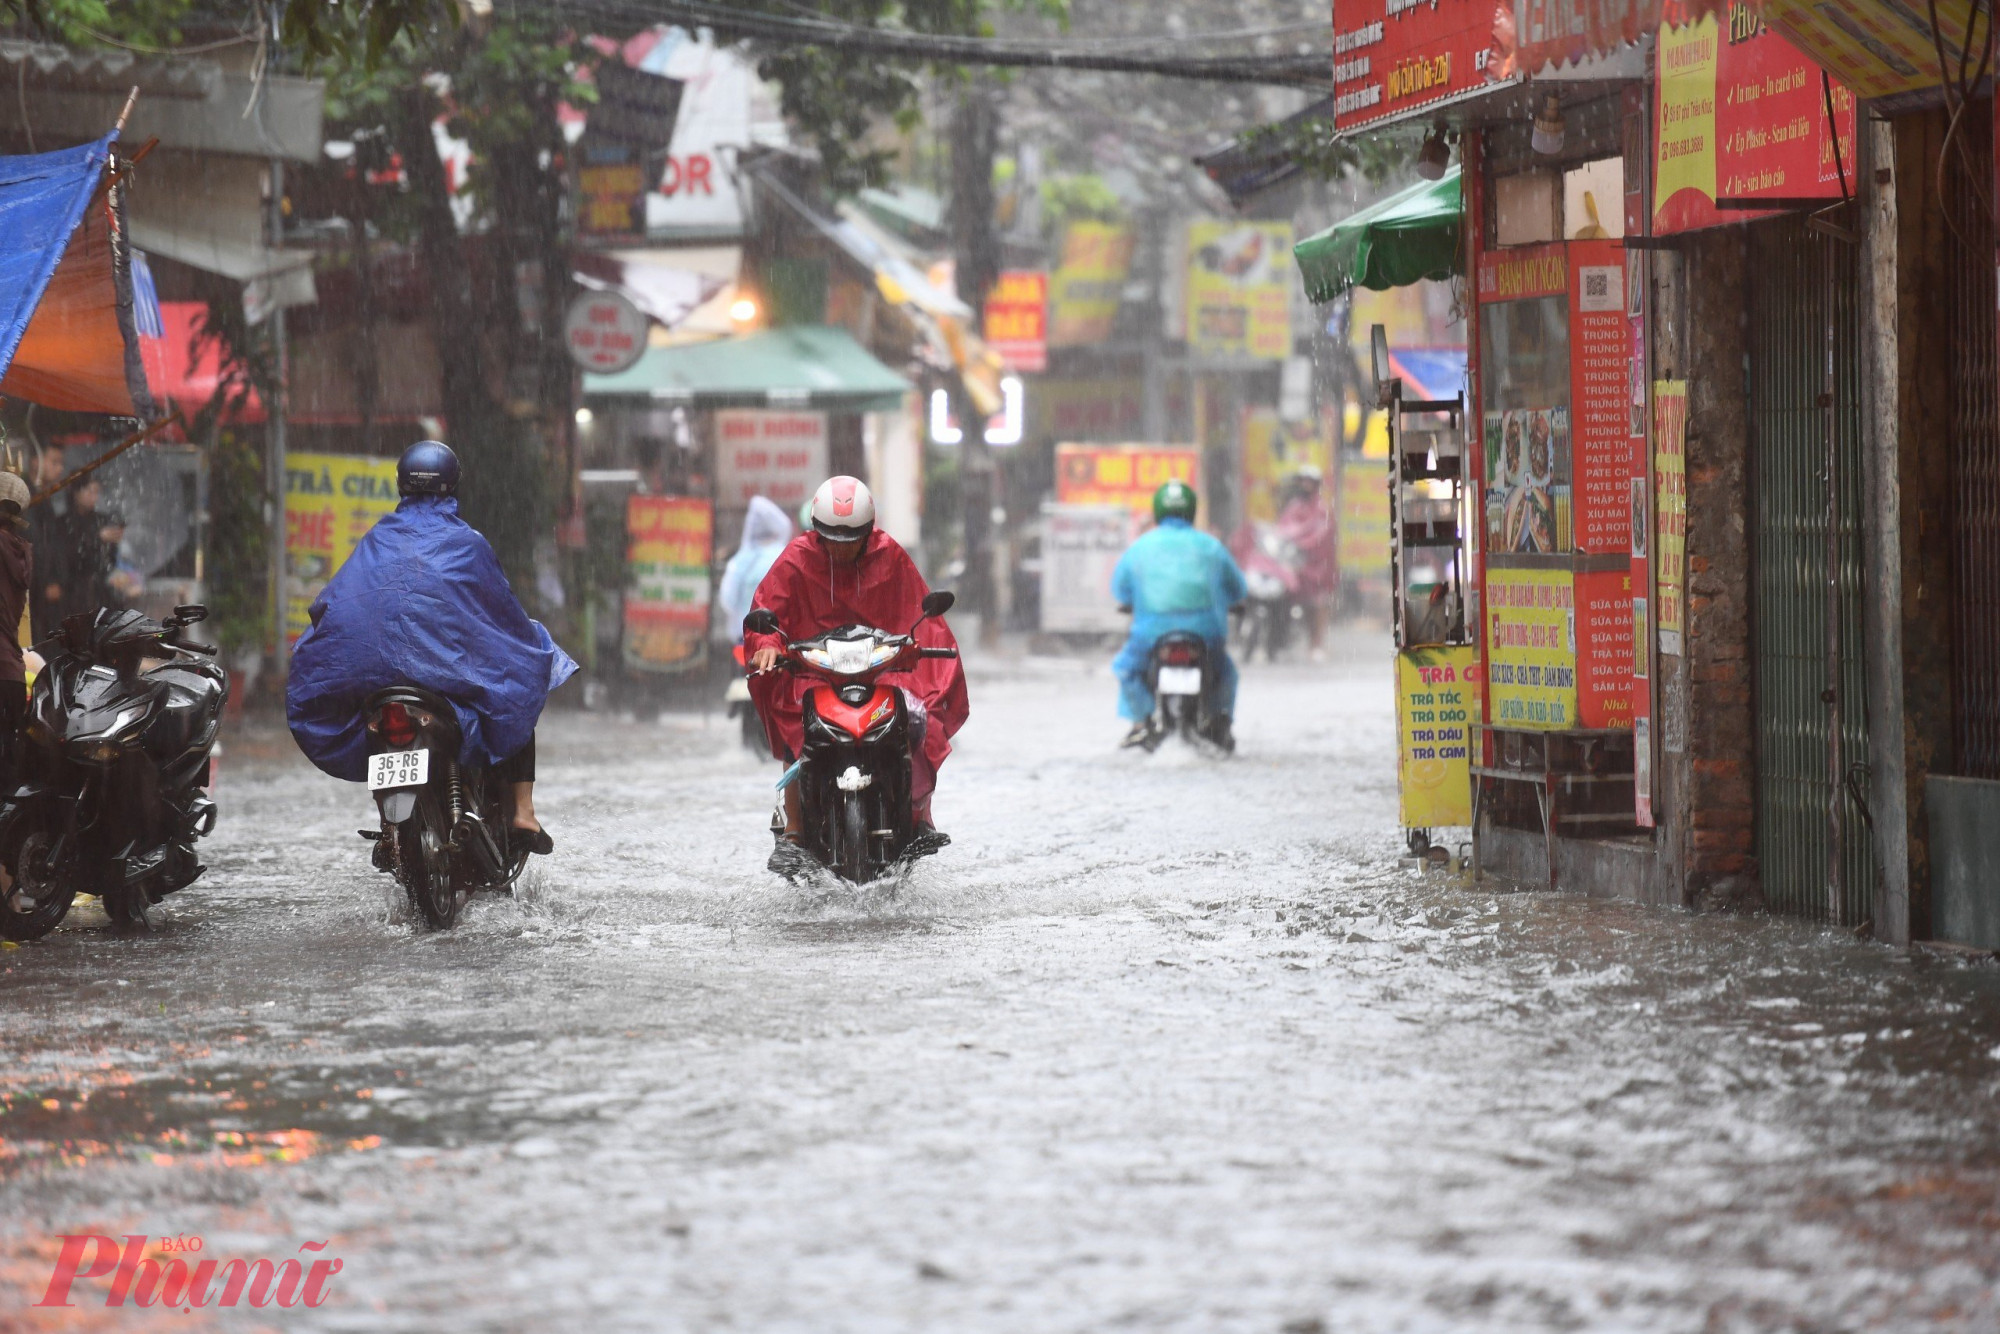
1157 1044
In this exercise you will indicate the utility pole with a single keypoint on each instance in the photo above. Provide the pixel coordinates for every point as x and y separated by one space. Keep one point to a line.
976 252
275 437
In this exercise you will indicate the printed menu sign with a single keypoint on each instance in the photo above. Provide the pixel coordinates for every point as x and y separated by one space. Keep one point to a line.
1600 338
1437 699
1604 611
1531 648
1670 500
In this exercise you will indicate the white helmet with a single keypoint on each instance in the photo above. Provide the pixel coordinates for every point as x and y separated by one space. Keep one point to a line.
843 510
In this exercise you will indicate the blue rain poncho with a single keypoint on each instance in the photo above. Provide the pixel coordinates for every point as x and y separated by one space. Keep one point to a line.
422 601
1177 578
766 533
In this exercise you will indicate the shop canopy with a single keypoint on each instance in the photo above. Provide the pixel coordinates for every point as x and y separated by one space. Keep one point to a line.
67 333
1391 243
800 366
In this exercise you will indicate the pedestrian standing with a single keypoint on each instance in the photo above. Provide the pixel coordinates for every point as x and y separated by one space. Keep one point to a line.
45 534
16 583
83 573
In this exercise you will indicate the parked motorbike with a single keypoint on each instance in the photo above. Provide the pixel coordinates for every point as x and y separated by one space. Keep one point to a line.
1271 571
737 700
1184 685
855 769
444 824
111 794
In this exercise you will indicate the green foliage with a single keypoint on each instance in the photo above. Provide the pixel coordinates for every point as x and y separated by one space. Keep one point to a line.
142 23
1377 157
362 33
238 556
1078 198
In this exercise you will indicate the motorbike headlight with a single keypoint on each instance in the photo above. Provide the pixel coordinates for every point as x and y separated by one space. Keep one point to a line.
817 657
99 751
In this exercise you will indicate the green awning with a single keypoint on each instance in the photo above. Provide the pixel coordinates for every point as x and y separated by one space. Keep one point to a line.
1392 243
799 366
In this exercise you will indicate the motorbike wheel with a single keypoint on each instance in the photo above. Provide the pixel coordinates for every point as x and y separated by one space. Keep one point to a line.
426 866
52 891
850 848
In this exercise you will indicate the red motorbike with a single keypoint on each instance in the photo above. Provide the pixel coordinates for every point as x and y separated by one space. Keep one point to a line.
854 772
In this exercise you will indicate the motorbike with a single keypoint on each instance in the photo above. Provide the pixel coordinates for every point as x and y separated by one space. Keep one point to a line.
444 824
1271 566
737 701
1183 692
112 791
854 771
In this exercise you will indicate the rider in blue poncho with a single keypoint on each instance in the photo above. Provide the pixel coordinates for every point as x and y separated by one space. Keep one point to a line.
1175 577
767 531
423 601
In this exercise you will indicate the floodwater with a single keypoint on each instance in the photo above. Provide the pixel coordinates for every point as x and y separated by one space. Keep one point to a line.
1159 1043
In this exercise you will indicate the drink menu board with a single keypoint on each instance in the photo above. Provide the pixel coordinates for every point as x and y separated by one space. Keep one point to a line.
1604 648
1670 500
1600 339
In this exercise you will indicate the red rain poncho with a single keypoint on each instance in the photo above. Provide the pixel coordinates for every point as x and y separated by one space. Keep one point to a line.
810 595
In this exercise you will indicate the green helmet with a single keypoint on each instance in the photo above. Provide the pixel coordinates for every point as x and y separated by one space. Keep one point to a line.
1174 500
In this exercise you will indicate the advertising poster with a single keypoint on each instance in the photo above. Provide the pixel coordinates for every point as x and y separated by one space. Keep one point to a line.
1273 451
1085 289
1437 701
1017 319
1604 648
1123 475
1642 552
1361 532
666 594
1081 545
1741 115
1391 55
1670 511
331 501
1528 480
610 188
1531 649
1600 338
1239 289
779 455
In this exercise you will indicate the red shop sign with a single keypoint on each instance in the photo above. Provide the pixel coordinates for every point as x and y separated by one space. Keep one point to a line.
1395 56
1523 272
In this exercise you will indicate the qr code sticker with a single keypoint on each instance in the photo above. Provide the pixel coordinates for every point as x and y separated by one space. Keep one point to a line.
1601 288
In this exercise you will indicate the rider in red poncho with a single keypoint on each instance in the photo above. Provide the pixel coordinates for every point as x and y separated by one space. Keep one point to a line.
846 571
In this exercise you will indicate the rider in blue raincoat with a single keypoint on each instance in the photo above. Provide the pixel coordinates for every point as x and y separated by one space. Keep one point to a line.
1175 577
423 601
767 531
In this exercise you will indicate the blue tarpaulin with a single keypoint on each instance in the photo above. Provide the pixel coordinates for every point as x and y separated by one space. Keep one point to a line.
422 601
68 337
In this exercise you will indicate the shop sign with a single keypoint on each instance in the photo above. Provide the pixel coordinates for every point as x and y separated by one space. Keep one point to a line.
1017 319
1877 49
1122 475
1531 648
1437 701
1600 336
605 333
1670 500
1391 57
1088 284
1604 648
1362 533
331 501
1523 273
779 455
610 188
1081 545
1239 289
1563 30
1742 116
666 592
1087 409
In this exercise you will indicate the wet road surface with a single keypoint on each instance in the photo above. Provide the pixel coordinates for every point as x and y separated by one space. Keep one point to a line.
1157 1044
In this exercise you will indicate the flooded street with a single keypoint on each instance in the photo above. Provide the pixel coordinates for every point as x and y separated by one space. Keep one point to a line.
1157 1044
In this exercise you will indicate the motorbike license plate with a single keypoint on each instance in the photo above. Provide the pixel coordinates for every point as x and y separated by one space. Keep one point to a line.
1180 680
399 768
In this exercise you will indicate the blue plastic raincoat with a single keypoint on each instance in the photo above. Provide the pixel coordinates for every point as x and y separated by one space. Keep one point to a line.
1175 577
767 530
422 601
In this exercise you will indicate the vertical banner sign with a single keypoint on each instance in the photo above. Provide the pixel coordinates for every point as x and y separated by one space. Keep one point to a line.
1392 55
1361 532
1239 289
331 501
1604 648
1081 545
1086 287
1670 511
1124 475
1437 701
1741 118
1642 555
1017 319
1600 418
1531 648
779 455
666 595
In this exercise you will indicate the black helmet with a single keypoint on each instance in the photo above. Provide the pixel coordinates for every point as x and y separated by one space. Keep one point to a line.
427 468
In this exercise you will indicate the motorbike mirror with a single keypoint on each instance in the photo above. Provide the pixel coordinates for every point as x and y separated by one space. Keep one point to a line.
761 621
190 613
938 603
